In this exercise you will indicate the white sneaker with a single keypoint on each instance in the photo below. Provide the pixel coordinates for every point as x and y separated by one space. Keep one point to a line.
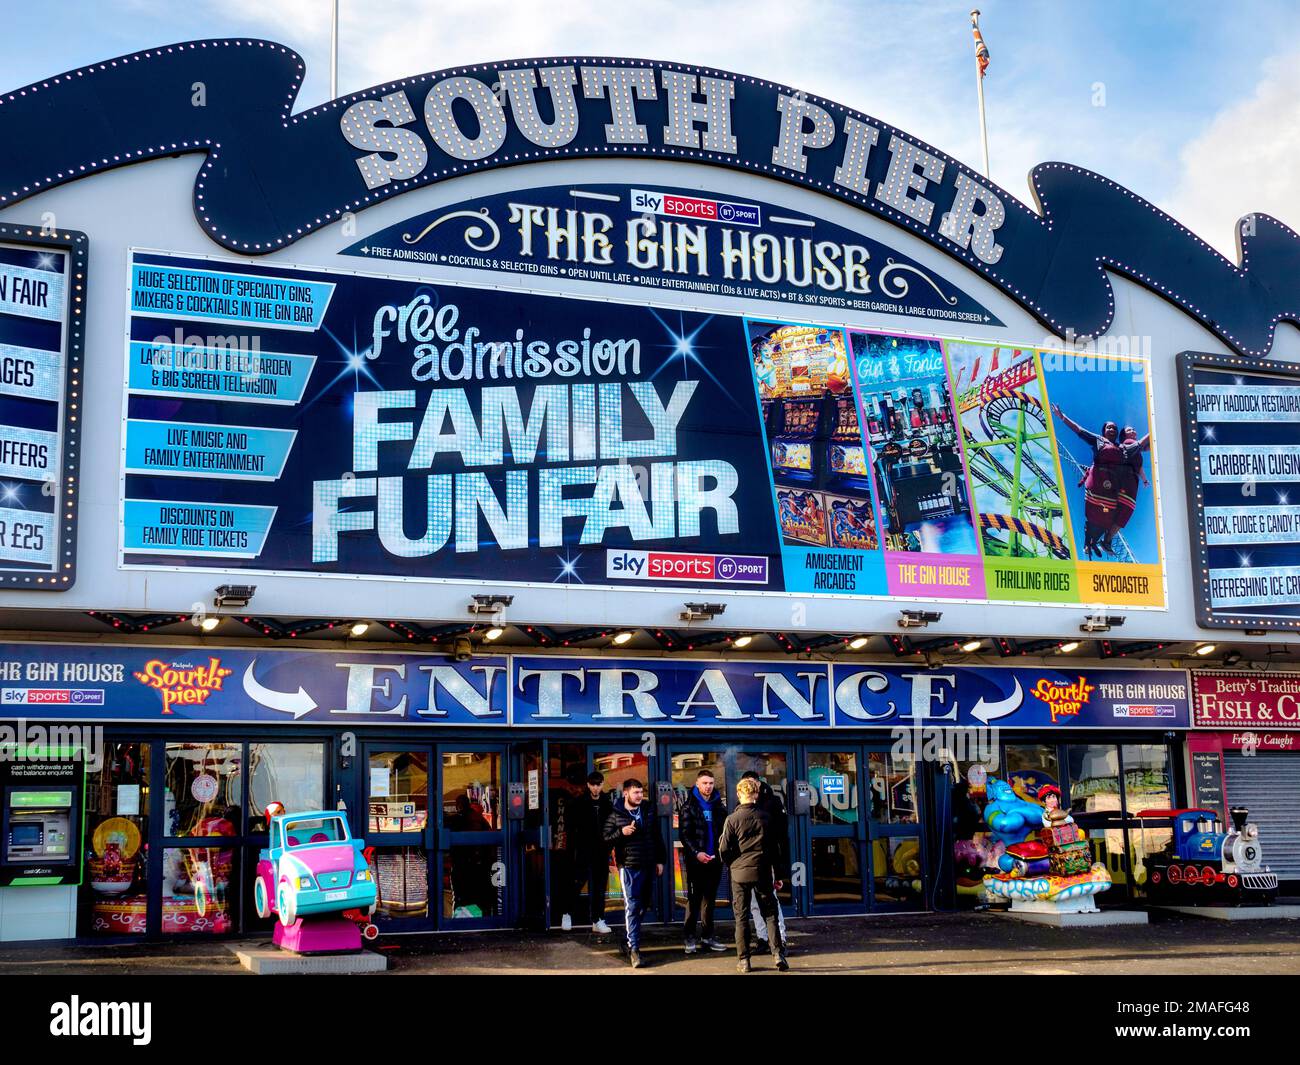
566 923
601 928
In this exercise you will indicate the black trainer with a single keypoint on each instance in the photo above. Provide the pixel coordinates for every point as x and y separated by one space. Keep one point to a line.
782 966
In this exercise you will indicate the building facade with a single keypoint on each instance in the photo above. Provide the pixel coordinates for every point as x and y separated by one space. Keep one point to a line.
421 452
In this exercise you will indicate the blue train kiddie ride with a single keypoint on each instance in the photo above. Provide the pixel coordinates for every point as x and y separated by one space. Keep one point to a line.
312 875
1201 864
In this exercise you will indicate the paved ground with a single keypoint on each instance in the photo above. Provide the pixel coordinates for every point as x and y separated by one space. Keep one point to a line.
884 945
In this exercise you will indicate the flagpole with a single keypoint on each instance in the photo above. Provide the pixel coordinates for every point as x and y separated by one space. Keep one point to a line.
979 86
334 52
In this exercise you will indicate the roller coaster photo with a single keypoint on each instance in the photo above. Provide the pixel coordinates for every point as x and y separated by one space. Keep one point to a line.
1010 458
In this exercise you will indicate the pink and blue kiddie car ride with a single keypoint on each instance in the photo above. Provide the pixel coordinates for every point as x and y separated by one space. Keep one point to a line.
312 866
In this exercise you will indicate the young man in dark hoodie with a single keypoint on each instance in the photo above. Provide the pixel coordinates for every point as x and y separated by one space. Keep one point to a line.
639 852
749 848
699 823
585 815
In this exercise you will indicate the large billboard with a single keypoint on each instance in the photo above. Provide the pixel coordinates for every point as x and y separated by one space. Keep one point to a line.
42 340
1242 448
333 423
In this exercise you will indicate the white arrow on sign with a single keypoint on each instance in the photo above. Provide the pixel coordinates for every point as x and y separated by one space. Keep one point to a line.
298 703
990 711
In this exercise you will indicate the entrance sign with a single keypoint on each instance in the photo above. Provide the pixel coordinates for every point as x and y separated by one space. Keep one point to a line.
76 682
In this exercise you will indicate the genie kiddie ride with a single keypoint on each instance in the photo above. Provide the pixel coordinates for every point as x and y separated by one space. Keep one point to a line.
1047 866
314 877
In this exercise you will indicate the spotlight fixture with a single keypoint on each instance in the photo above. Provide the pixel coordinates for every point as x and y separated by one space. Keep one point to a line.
621 638
209 623
359 628
1068 646
972 645
236 595
493 633
1101 622
858 642
1232 658
742 641
1204 649
918 619
702 611
492 603
461 649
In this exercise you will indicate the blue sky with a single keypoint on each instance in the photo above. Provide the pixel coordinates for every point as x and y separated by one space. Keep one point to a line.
1191 107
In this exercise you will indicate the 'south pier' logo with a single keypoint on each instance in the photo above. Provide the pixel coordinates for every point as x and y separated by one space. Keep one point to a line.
1063 698
183 685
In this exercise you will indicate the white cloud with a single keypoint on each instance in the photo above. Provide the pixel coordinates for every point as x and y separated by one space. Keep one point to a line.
1246 159
909 65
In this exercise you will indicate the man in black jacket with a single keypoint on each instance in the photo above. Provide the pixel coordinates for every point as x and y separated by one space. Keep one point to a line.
584 823
749 848
699 823
639 852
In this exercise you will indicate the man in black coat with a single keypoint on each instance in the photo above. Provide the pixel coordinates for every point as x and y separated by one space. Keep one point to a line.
699 824
640 854
770 803
749 848
584 823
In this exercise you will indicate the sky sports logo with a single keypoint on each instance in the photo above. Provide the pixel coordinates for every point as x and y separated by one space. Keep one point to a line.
672 205
52 696
678 566
1144 710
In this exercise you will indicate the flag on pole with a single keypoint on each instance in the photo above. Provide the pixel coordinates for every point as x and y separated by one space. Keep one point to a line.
981 49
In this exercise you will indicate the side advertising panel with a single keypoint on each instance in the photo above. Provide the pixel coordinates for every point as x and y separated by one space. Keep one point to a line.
1242 451
42 340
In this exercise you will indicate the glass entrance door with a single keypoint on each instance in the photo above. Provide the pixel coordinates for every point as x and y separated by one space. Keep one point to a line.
897 847
471 866
728 765
837 832
571 827
398 826
865 835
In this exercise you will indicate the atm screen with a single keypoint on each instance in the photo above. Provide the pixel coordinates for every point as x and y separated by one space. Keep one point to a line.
26 835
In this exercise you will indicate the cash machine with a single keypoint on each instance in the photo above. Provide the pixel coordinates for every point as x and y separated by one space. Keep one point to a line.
42 799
